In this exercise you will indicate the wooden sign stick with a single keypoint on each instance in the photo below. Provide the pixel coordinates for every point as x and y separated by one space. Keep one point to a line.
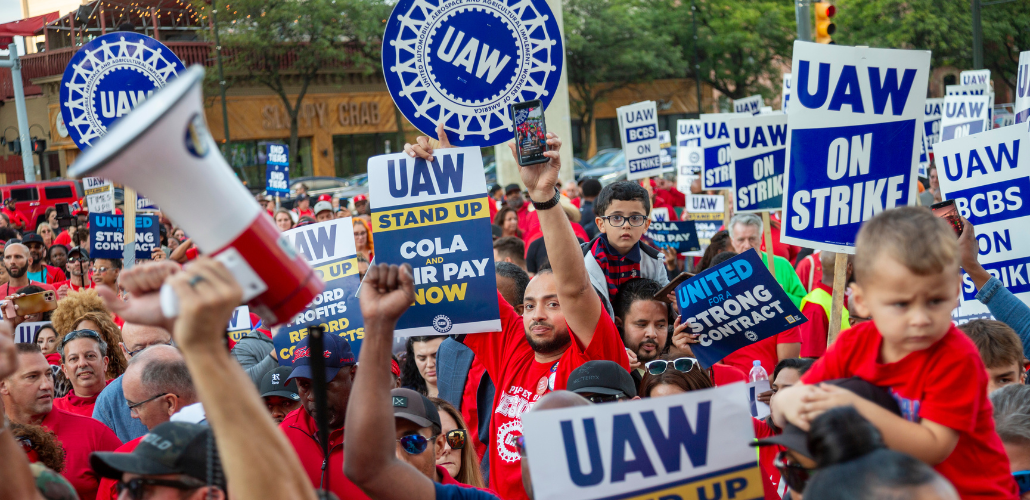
769 253
840 269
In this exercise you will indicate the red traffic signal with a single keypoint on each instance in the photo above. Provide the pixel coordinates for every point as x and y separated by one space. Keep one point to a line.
824 27
38 146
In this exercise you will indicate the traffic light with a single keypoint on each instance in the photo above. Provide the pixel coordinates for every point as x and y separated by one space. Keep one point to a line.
38 146
824 27
14 146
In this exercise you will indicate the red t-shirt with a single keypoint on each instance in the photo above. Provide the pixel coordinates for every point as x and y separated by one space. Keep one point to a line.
63 239
17 219
107 490
813 333
52 275
724 375
810 270
764 351
945 383
74 404
520 381
766 454
73 287
6 289
80 436
304 213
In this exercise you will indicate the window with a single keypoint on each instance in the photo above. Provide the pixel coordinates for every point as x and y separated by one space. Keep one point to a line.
58 192
25 194
351 152
607 133
950 80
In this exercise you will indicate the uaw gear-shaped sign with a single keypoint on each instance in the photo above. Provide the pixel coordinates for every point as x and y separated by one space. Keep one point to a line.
108 77
462 62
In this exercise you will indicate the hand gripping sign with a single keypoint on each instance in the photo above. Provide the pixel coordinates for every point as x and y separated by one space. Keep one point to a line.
988 176
853 132
329 248
964 114
715 139
1021 108
435 216
462 62
758 151
688 446
108 77
638 127
733 305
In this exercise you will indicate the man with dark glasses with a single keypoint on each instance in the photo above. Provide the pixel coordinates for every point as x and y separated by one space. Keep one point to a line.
418 434
175 460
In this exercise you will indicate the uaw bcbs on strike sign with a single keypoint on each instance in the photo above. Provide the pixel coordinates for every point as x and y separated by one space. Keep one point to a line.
108 77
462 62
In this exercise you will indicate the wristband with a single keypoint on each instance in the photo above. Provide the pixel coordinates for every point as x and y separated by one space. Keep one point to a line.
553 202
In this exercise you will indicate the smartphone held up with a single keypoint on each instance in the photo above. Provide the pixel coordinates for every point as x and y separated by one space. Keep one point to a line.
949 212
530 131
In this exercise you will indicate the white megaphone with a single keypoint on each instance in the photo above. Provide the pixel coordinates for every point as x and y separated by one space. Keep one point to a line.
163 148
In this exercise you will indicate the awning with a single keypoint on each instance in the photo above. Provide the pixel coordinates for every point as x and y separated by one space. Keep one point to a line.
26 27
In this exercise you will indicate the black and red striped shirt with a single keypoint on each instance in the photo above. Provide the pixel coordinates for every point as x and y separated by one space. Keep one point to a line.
617 268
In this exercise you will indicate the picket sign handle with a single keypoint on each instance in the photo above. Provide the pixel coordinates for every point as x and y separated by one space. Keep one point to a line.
129 226
840 270
769 252
728 207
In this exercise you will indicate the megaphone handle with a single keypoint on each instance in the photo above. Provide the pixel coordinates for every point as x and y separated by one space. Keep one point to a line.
169 302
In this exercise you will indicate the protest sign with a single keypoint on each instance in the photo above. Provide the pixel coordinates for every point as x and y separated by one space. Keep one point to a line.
853 132
708 212
435 216
733 305
981 89
688 133
638 127
462 63
924 157
665 143
106 232
239 324
715 139
688 446
144 203
759 409
25 333
681 236
277 170
329 248
99 195
758 151
785 97
932 121
1022 103
964 114
988 176
689 160
975 77
659 214
749 105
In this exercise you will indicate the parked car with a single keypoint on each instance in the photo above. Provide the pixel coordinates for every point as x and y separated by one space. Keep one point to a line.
32 199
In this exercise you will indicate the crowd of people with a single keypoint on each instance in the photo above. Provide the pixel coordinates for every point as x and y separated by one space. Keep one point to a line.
113 400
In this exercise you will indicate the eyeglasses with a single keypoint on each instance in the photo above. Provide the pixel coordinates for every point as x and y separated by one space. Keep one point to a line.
78 334
100 270
133 406
137 486
1023 480
604 398
618 220
457 438
794 474
414 444
659 366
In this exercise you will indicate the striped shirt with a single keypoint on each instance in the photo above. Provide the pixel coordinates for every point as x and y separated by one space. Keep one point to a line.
617 268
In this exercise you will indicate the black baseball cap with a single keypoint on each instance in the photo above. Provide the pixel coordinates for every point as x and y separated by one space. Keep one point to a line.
169 448
79 250
415 407
796 439
278 383
338 354
602 377
31 237
511 187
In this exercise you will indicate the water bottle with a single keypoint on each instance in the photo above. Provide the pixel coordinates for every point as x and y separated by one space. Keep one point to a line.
757 372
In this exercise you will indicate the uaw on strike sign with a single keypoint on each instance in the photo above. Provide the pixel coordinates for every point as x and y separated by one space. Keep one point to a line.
759 151
638 126
435 216
988 176
688 446
854 133
463 62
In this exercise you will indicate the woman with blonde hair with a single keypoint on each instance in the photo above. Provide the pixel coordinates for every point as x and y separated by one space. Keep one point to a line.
46 232
86 310
456 454
363 239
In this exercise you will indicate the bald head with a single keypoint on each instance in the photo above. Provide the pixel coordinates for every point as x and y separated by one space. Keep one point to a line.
136 337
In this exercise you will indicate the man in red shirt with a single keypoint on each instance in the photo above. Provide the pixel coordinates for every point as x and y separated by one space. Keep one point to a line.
85 365
78 273
38 269
28 396
17 220
16 262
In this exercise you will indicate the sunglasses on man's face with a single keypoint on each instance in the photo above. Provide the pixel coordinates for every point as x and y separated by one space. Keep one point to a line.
794 474
1023 480
414 444
77 334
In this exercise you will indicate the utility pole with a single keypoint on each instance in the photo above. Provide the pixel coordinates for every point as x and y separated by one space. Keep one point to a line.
19 104
803 13
978 36
697 67
221 77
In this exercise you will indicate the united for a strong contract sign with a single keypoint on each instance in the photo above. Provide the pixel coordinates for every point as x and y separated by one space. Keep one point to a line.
436 217
854 139
462 62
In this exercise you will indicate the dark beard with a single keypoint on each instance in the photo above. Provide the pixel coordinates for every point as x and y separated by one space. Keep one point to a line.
21 272
644 359
557 344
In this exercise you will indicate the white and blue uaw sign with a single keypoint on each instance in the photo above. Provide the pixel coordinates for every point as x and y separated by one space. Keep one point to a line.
964 114
462 62
733 305
681 236
785 98
1021 107
988 176
715 139
638 125
277 170
108 77
688 446
759 153
688 132
932 111
435 216
854 129
751 105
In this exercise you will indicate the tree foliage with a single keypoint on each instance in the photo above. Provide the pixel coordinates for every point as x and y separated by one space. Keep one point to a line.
285 44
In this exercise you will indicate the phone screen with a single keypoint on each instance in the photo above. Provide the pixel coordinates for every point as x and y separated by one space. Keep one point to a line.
949 212
530 131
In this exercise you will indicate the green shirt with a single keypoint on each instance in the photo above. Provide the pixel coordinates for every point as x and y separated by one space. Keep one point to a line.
787 278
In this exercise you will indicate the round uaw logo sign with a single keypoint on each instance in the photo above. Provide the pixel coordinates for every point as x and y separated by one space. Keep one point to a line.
462 62
695 157
108 77
442 323
752 336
